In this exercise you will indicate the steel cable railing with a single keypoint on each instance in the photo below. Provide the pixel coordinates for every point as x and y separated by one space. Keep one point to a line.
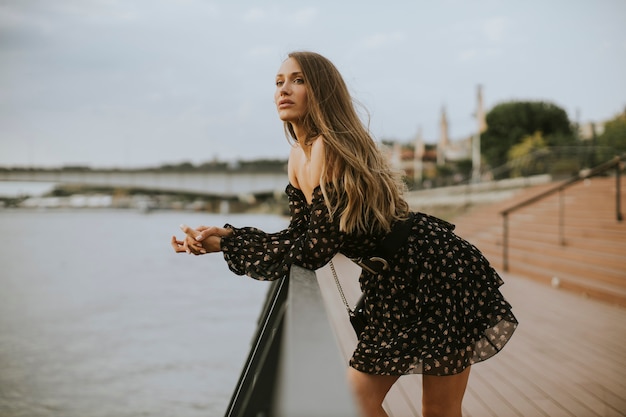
616 163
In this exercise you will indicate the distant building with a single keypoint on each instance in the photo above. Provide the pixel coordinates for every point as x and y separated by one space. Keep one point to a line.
421 161
590 130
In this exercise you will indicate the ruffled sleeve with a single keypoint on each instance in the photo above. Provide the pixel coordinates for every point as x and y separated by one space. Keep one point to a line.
310 241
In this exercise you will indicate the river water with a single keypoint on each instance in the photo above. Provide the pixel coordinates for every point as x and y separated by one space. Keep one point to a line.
99 317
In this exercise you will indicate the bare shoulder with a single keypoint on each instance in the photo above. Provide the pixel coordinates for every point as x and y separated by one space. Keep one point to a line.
293 165
318 157
317 147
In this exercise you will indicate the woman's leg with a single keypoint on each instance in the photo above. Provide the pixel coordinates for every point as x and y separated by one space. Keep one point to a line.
370 391
442 395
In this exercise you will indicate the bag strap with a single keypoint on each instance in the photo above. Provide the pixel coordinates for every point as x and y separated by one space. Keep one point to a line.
343 297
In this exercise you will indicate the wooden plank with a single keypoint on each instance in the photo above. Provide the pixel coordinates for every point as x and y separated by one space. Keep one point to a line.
615 405
475 403
586 338
564 391
577 326
404 398
496 400
505 382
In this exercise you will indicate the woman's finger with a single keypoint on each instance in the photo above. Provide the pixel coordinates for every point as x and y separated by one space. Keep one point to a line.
188 231
195 246
177 245
205 231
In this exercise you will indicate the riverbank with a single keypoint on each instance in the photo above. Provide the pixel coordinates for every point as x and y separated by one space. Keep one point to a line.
36 196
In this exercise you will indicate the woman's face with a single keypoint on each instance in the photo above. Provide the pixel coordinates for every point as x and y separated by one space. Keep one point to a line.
290 95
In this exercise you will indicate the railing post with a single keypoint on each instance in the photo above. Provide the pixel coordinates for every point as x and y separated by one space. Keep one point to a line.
617 161
618 192
505 241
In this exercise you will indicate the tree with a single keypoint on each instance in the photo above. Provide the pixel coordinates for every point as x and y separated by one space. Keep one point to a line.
510 122
614 135
521 153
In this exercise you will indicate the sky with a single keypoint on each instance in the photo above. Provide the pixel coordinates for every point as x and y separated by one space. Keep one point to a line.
138 83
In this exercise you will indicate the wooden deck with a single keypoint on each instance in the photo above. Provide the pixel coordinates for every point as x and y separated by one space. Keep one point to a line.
567 358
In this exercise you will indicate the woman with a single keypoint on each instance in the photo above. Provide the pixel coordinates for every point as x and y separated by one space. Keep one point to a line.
432 305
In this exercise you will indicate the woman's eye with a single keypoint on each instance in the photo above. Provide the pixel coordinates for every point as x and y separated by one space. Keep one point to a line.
279 83
298 81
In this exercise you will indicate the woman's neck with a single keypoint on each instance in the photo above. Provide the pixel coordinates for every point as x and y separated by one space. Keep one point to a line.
302 139
300 134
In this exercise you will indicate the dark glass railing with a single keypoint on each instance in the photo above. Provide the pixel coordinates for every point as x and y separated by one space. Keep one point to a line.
294 367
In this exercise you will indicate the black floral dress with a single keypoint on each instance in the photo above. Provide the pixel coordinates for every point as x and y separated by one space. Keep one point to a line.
438 311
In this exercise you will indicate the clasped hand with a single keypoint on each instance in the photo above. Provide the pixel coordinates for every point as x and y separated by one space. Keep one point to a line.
201 240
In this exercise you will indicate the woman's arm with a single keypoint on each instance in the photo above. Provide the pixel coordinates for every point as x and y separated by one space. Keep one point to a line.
265 256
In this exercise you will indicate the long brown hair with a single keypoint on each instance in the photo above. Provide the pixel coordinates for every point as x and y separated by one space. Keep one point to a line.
371 193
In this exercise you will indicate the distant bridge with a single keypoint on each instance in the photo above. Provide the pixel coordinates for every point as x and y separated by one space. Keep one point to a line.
227 184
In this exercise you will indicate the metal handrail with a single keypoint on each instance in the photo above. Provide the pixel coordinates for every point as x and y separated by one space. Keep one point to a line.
294 367
617 162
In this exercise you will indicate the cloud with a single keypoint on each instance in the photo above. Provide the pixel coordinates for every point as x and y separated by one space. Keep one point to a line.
484 43
379 40
262 51
494 28
468 54
473 54
304 16
298 18
255 14
19 24
153 70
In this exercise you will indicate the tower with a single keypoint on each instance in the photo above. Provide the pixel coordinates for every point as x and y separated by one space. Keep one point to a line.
443 138
481 127
480 110
418 157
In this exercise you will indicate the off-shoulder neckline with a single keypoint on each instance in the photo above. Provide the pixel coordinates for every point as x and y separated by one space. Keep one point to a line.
299 190
316 191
